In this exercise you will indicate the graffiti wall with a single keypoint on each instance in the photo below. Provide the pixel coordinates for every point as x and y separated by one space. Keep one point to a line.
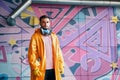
89 38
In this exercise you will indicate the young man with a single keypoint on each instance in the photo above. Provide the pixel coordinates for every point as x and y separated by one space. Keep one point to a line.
44 55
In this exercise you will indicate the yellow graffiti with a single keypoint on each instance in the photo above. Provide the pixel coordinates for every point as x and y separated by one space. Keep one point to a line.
12 42
115 19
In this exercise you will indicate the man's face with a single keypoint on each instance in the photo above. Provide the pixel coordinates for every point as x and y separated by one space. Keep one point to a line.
45 23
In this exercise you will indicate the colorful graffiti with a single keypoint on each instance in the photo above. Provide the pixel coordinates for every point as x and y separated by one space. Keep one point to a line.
89 37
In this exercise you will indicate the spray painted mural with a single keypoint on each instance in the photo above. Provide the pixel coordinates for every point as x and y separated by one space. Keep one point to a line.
89 37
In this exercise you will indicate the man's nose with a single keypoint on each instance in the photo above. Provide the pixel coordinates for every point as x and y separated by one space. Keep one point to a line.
45 24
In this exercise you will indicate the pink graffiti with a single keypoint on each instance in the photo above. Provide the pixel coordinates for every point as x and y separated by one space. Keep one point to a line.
3 54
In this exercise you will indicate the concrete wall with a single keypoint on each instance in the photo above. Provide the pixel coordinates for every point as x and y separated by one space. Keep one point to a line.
89 38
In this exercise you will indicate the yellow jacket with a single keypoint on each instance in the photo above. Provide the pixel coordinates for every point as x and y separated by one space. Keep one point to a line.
36 51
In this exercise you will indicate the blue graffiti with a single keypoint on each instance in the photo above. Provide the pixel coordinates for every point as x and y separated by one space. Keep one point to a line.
3 77
106 79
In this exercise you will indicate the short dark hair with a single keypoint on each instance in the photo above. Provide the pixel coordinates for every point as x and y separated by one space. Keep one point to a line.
43 16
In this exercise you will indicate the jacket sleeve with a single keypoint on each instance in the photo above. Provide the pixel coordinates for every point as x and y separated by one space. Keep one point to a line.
61 62
60 58
32 54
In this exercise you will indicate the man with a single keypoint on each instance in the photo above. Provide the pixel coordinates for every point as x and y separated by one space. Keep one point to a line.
44 55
